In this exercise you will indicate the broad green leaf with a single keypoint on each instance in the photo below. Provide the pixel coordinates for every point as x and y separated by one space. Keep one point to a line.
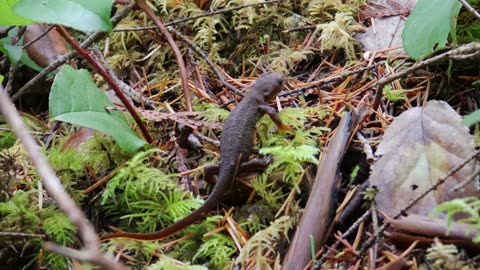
1 78
472 118
8 16
427 27
75 99
84 15
13 52
16 53
26 60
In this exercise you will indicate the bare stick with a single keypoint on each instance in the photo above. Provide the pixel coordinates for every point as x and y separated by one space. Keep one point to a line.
220 75
91 252
341 76
206 14
470 8
470 48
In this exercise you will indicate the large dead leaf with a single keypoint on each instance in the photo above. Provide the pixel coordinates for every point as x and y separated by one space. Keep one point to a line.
47 49
387 23
419 147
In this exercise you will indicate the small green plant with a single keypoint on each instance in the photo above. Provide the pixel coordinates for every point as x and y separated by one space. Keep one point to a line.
167 263
469 206
445 257
290 155
211 113
218 248
144 194
260 248
394 95
22 214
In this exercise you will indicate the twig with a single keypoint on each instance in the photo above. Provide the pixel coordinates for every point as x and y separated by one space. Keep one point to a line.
63 59
300 28
17 234
39 37
470 48
134 95
470 8
206 14
87 56
176 51
11 75
327 80
91 252
31 132
346 234
220 75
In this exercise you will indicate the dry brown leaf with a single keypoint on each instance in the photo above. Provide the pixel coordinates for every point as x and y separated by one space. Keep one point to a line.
387 24
48 48
419 147
387 9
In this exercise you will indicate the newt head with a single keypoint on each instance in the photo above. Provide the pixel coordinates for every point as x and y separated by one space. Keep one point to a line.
268 85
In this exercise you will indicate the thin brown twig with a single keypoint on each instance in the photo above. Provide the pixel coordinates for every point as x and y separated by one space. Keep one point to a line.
118 91
344 235
470 8
91 252
17 234
327 80
194 47
176 51
129 91
206 14
470 48
38 37
63 59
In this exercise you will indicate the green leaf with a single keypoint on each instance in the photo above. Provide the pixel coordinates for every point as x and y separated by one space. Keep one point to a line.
472 118
84 15
394 95
427 27
8 16
75 99
26 60
13 52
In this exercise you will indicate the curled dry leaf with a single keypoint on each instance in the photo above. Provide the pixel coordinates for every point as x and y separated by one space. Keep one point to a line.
420 147
48 48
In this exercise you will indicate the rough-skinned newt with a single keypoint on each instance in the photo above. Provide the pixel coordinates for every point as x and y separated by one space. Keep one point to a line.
235 146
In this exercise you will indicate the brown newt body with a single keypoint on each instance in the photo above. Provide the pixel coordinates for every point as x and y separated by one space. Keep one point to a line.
235 147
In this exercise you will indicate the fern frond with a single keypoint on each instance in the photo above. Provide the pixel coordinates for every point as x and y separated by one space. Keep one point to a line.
469 206
218 248
262 243
325 10
338 34
178 207
445 257
211 113
166 263
59 228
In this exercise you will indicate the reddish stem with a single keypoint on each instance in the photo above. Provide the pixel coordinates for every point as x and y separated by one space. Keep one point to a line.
176 51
